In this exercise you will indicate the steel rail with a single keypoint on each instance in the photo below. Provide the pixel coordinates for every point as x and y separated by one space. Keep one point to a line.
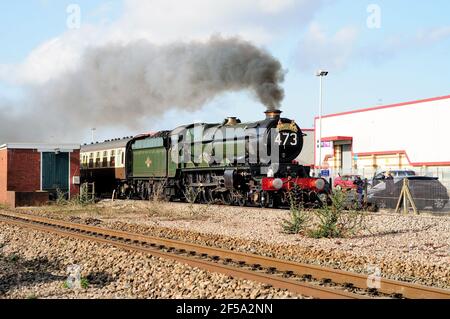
300 288
385 286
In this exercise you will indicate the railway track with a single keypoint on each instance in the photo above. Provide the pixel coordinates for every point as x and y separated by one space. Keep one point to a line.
307 280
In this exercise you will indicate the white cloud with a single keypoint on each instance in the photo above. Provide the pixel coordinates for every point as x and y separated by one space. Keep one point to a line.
276 6
433 35
163 21
399 43
320 50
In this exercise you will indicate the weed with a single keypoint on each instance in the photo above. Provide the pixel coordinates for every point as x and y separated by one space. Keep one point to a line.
337 222
299 218
84 199
84 283
61 198
13 258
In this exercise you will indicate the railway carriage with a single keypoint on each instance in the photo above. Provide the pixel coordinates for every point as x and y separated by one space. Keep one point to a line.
104 164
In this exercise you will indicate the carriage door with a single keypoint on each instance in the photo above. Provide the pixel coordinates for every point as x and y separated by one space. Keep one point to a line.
55 172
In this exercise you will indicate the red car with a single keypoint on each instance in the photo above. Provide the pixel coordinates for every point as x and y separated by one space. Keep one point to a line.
345 182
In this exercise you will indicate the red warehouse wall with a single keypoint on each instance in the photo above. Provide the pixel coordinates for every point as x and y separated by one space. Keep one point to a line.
74 171
3 175
24 170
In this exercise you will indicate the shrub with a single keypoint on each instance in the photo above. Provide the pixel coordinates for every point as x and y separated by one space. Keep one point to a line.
84 283
299 218
83 199
297 222
335 221
61 198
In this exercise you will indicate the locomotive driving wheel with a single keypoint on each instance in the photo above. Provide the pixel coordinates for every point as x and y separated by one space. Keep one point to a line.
207 196
241 201
226 198
265 200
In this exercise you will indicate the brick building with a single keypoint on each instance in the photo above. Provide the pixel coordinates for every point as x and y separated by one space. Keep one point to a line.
31 174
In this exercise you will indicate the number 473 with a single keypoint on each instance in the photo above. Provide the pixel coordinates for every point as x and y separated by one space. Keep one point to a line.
284 138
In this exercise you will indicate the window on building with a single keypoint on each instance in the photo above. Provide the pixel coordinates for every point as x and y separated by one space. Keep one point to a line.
112 161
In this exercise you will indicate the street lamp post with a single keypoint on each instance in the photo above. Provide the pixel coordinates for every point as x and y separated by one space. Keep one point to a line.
321 74
93 134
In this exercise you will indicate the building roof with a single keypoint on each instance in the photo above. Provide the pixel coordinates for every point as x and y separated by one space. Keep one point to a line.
50 147
376 108
107 145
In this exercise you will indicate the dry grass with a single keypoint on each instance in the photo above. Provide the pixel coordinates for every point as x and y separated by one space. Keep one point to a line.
107 210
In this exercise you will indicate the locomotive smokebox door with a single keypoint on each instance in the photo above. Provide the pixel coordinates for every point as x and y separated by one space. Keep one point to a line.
229 177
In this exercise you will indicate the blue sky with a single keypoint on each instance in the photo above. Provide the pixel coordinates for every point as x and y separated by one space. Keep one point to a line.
405 59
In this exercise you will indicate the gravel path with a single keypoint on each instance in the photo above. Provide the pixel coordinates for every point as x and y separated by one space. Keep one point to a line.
411 248
34 265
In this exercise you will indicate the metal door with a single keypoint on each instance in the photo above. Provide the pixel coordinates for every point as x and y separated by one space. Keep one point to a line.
55 172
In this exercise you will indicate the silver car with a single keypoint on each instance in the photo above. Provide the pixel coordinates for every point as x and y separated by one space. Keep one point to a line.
397 174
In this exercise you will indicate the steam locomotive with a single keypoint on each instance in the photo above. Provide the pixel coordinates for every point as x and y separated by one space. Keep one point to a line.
231 162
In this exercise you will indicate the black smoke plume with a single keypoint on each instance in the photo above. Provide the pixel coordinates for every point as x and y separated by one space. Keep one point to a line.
122 85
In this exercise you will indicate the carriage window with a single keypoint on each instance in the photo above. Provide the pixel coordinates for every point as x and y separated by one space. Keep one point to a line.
97 160
91 160
112 161
123 158
105 159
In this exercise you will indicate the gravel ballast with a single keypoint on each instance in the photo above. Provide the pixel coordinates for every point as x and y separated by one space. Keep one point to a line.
403 247
35 265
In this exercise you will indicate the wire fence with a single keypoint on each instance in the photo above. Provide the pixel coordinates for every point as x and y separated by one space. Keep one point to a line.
428 194
429 187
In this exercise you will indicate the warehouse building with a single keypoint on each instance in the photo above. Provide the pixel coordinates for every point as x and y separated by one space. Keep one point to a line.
31 174
306 157
412 135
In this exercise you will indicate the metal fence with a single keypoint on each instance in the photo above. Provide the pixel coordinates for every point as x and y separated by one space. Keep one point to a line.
427 194
430 189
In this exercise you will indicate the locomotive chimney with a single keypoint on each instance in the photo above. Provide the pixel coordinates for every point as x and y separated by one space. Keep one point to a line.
273 115
231 121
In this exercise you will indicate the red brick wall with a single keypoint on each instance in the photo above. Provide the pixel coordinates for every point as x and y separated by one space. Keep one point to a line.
74 171
20 171
24 170
3 175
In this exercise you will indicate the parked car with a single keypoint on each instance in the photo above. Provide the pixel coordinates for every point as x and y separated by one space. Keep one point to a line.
345 182
396 174
426 192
